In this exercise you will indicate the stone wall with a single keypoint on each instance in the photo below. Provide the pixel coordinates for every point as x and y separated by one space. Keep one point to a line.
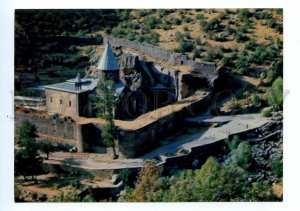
51 125
61 102
133 143
201 153
67 103
162 54
89 138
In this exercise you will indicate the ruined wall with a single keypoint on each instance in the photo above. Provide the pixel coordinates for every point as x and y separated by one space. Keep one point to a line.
162 54
51 125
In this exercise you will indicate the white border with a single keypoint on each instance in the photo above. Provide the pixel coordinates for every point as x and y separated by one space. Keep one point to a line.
291 104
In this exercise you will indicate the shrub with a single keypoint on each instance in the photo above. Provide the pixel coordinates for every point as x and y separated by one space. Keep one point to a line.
244 28
151 22
152 38
233 143
200 16
266 112
213 25
178 36
243 14
166 26
279 28
277 167
220 38
260 55
242 65
275 94
188 19
250 45
240 37
131 36
262 15
241 156
256 99
196 53
198 41
213 54
229 30
185 47
176 21
118 32
271 23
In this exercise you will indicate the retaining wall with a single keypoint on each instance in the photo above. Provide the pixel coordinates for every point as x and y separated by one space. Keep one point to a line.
51 125
204 151
133 143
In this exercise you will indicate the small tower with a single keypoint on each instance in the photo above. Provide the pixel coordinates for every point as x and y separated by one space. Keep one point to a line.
77 82
108 68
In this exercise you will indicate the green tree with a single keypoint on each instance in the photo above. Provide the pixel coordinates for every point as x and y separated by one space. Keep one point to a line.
146 186
104 104
275 94
70 196
25 131
27 160
241 156
47 148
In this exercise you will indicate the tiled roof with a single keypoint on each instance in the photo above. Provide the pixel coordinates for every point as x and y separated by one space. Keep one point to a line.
108 61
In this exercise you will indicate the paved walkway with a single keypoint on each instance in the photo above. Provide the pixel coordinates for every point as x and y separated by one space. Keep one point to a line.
236 124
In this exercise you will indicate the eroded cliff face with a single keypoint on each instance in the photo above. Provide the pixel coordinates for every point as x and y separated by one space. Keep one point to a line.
134 73
142 75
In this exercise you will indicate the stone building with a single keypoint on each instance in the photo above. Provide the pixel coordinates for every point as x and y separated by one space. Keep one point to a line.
71 98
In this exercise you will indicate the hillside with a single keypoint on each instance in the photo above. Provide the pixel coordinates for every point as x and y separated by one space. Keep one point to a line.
245 42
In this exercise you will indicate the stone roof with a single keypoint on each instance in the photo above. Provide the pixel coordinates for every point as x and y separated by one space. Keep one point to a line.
108 61
88 85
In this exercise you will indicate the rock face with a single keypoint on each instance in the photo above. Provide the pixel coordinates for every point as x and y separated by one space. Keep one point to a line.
134 72
268 149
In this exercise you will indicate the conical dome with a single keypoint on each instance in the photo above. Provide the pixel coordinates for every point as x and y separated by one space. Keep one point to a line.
108 61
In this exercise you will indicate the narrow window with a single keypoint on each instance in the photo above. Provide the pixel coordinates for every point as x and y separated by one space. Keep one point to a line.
60 101
70 103
50 99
